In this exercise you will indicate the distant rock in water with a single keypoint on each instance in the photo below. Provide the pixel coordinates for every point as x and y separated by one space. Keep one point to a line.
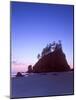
19 75
52 62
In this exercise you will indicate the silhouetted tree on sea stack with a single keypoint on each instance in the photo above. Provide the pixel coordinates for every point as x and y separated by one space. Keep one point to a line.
38 56
52 61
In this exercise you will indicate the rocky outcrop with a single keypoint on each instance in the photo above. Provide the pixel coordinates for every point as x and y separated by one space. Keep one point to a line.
52 62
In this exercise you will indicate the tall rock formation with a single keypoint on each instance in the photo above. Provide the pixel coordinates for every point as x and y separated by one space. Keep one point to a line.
52 62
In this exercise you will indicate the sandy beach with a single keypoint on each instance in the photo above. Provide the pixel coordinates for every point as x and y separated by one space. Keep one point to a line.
43 84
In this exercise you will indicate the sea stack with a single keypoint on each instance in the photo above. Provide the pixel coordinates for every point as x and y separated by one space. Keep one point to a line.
52 62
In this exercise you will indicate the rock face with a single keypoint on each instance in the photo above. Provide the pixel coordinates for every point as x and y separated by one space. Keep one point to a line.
52 62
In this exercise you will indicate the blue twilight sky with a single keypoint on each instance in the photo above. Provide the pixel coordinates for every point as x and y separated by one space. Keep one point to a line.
34 25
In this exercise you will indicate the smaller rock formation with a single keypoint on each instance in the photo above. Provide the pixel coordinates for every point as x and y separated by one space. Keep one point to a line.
29 69
19 74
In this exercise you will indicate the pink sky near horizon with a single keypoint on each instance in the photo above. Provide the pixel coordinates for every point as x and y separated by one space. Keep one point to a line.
19 66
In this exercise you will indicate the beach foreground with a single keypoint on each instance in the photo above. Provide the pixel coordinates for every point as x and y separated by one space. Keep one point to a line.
43 84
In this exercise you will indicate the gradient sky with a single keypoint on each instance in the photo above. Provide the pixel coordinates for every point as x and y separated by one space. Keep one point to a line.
34 25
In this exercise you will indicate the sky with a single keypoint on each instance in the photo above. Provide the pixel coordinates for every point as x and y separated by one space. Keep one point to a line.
33 26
